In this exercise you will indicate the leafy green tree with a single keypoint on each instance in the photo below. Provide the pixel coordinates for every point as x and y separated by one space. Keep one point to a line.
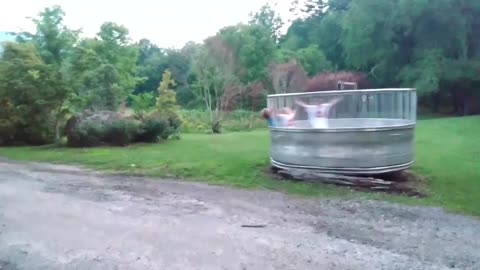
167 100
268 18
115 49
54 43
322 27
313 60
214 67
167 106
103 70
407 32
253 50
414 42
150 64
326 33
428 44
32 95
53 39
284 55
296 36
104 91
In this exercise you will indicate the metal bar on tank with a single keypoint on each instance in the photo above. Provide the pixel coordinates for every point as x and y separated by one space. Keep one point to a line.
375 105
334 111
413 105
358 104
399 105
346 106
369 106
381 100
408 107
387 105
341 108
364 101
350 102
356 100
289 102
393 103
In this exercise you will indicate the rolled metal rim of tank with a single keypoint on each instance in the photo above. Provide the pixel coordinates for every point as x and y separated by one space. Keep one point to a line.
345 171
337 92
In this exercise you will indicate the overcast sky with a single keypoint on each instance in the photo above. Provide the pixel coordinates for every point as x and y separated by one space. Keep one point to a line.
168 23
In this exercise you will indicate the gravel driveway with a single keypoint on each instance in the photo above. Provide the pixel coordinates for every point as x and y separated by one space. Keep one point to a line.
62 217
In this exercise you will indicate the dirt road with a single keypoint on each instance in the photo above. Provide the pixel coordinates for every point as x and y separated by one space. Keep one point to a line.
62 217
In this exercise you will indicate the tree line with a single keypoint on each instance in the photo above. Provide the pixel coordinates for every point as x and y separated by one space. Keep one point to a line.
433 45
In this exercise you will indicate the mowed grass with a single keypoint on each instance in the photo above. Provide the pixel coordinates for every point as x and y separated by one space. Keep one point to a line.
447 153
237 159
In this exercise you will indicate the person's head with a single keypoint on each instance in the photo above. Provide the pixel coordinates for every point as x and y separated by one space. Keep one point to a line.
266 113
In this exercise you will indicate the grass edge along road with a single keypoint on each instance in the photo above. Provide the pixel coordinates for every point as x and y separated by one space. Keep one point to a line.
447 153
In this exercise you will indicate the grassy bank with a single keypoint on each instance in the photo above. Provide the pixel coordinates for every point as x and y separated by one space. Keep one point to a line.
447 153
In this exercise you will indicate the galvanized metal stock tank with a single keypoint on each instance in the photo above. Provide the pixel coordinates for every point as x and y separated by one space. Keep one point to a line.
372 132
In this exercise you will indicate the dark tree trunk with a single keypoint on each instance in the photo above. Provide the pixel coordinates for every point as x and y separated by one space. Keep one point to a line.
435 102
216 127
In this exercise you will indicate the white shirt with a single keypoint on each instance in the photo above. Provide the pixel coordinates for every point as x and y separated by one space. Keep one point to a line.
285 120
317 115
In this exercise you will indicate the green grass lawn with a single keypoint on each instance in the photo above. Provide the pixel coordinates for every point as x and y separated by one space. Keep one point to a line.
447 152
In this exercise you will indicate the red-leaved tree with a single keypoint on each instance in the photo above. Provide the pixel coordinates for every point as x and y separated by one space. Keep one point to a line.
290 77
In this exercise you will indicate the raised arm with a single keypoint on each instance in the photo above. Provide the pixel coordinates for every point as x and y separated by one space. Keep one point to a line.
335 101
301 103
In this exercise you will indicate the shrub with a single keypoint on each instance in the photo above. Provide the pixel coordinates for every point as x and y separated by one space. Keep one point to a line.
118 132
173 128
121 132
7 131
86 134
161 125
110 128
152 130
